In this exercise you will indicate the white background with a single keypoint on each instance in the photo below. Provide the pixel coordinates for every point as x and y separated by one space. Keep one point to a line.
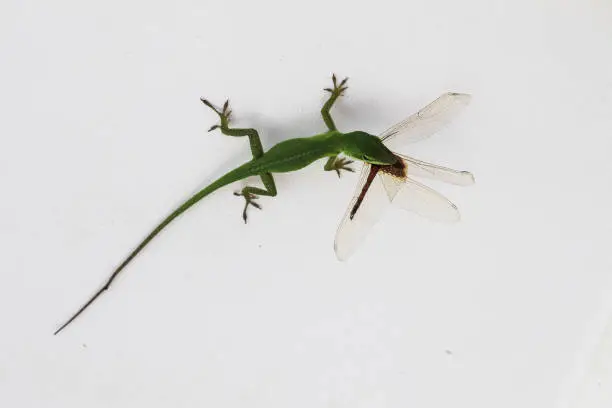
103 134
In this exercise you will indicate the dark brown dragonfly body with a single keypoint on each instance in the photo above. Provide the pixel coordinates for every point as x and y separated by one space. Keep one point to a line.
397 170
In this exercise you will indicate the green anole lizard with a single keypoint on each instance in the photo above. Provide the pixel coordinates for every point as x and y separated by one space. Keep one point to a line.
287 156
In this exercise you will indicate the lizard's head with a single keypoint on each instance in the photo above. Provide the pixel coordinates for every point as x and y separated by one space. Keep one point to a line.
367 148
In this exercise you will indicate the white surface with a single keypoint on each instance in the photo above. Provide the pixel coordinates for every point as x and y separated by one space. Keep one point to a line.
103 133
594 390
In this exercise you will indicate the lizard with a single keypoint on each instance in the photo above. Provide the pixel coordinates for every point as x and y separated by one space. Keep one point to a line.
286 156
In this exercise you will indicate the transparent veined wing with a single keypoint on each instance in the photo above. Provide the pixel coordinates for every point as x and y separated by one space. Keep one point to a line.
375 191
365 209
422 200
428 120
392 185
423 169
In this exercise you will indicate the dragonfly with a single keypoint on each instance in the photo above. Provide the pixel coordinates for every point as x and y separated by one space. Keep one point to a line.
382 186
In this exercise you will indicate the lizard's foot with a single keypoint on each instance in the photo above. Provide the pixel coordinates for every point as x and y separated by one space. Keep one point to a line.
338 88
249 199
224 114
341 164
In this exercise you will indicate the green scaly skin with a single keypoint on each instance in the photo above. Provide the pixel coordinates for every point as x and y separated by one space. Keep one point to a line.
287 156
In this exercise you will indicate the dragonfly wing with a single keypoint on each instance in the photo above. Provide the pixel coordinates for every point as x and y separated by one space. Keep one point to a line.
428 120
392 184
418 198
423 169
355 225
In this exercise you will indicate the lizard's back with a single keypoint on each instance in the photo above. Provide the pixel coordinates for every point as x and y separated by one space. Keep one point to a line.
295 154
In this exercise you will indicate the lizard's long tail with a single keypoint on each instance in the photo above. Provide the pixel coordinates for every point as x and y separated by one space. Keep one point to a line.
228 178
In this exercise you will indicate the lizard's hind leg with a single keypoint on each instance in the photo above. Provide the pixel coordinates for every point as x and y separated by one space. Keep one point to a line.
249 193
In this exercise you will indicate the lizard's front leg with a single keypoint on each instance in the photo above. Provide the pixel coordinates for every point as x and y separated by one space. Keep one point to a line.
338 163
334 163
249 193
335 92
